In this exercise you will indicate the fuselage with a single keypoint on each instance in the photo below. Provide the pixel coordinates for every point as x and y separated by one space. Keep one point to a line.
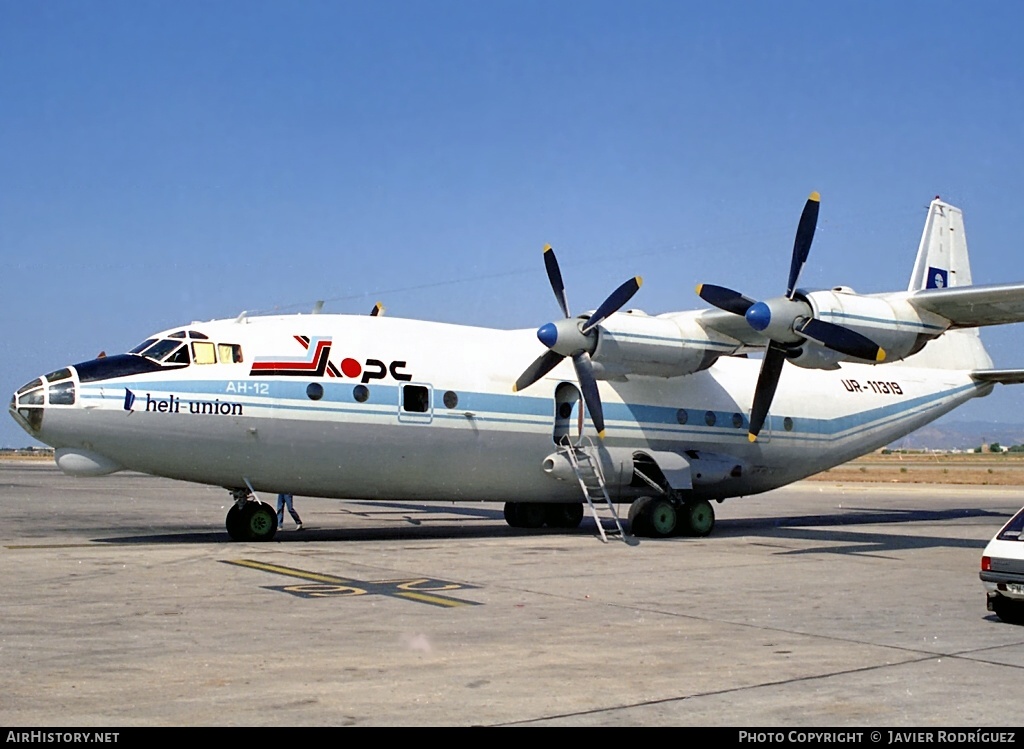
388 408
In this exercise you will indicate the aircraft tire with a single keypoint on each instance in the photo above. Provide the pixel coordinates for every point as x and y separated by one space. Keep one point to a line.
639 522
698 518
564 514
259 521
532 514
235 525
663 518
511 513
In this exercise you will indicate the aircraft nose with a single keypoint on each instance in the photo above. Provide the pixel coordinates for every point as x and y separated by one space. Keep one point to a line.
30 401
27 405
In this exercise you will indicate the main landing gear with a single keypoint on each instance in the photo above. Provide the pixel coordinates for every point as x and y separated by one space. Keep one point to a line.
538 514
661 517
250 519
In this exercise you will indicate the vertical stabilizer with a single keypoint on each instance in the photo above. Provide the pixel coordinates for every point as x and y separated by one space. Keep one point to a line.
942 257
942 262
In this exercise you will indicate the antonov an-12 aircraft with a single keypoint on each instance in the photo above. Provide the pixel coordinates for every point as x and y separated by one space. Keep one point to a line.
664 413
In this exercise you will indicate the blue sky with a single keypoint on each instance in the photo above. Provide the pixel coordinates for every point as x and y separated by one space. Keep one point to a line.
162 162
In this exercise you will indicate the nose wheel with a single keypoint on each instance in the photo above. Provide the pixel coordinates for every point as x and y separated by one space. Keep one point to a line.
250 519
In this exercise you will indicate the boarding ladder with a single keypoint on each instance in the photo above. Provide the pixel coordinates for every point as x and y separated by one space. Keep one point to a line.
586 464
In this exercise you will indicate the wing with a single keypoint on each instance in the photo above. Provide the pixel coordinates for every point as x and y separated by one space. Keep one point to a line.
973 306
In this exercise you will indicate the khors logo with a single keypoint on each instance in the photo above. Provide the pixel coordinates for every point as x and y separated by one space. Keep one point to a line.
317 363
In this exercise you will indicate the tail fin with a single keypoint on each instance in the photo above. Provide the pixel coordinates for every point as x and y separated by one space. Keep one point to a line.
942 262
942 256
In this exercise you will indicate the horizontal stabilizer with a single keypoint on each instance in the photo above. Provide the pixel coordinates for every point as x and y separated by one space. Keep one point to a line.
1004 376
973 306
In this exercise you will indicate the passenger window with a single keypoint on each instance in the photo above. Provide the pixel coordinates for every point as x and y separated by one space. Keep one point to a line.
203 353
229 353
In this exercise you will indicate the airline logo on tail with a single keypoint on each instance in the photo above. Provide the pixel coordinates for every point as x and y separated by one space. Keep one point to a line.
937 278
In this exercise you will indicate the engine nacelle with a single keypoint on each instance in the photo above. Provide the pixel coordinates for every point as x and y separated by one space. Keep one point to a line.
635 343
893 324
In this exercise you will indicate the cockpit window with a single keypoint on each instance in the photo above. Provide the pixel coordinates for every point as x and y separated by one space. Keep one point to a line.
62 394
31 394
229 353
160 350
180 356
143 346
36 383
60 374
204 352
174 350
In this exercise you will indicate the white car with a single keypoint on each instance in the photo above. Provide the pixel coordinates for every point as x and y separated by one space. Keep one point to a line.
1002 571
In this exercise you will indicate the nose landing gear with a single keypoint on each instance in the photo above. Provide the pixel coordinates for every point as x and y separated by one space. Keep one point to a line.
250 519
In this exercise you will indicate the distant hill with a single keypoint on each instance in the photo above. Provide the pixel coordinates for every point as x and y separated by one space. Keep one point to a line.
962 435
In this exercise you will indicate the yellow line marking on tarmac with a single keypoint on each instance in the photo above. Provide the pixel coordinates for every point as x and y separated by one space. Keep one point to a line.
449 602
290 572
422 590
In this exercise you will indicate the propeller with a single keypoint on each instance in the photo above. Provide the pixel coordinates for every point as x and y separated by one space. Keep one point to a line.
575 338
788 321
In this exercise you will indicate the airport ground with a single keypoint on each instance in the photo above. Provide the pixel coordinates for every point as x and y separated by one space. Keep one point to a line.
838 602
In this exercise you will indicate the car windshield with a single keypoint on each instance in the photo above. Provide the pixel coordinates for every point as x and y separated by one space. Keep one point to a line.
1012 530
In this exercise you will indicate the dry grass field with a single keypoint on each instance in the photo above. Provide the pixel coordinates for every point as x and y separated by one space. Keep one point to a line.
993 469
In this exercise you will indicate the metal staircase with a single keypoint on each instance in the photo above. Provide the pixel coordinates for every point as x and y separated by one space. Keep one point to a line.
585 462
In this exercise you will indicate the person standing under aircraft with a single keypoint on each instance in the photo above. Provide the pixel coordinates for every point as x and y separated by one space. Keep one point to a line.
285 500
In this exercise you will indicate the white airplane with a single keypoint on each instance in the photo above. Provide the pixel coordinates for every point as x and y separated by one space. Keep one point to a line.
666 413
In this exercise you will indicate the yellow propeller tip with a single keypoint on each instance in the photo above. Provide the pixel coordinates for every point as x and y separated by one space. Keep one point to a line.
699 287
751 437
547 248
515 389
639 281
881 355
816 197
600 435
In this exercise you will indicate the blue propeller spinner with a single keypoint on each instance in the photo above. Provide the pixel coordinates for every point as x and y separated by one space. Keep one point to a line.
575 337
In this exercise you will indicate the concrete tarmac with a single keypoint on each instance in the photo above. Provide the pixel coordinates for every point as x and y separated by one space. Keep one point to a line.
817 605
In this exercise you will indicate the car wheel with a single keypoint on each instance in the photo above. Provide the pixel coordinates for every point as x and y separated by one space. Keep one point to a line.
1008 610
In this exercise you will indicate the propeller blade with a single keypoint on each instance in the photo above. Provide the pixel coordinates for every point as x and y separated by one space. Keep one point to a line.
540 367
804 236
725 299
613 303
555 277
767 382
841 339
588 384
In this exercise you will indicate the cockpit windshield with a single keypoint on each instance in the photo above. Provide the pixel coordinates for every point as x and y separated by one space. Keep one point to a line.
188 347
161 350
143 346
